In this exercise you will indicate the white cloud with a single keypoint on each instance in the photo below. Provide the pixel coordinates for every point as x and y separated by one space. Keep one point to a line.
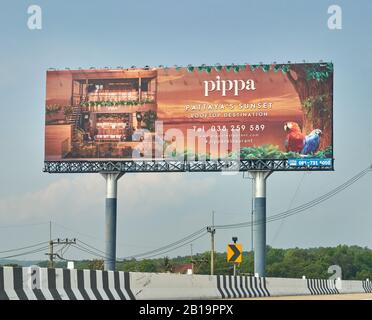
84 196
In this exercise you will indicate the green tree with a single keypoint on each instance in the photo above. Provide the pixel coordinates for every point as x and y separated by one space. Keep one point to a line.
13 265
147 265
96 264
167 266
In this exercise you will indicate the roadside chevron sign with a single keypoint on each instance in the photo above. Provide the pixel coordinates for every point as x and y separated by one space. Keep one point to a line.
234 252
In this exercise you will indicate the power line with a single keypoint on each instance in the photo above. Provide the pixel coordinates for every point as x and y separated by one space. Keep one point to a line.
23 225
77 246
52 243
323 198
91 247
98 253
201 232
196 233
302 207
91 236
290 205
180 246
83 246
25 253
61 252
23 248
77 232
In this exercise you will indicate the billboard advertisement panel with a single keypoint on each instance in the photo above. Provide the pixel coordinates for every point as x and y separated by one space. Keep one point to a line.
281 111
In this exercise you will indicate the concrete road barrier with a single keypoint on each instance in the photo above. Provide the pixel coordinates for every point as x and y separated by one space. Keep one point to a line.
173 286
35 283
63 284
367 286
291 287
322 286
241 287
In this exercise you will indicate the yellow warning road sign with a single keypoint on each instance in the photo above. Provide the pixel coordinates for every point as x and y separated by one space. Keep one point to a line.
234 252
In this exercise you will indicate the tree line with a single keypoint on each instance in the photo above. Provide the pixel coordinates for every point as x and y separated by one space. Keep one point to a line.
355 261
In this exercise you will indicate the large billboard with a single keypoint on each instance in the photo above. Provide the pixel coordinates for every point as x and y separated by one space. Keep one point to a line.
280 111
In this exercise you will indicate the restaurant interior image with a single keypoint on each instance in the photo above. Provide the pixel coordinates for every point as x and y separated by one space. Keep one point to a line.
98 113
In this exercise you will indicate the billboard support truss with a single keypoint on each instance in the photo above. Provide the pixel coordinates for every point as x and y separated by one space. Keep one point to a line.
84 166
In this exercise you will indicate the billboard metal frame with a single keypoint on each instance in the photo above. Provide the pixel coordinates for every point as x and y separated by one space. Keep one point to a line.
84 166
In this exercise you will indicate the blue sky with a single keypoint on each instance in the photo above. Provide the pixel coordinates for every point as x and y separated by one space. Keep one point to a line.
155 209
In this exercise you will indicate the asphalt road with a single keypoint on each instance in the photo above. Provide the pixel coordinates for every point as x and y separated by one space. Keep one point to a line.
353 296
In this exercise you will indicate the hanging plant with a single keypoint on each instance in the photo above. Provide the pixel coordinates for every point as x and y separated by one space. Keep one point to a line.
190 68
50 109
201 68
276 68
218 67
285 68
68 110
265 68
238 68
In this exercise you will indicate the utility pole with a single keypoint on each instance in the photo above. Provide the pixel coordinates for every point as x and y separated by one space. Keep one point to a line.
212 231
50 265
192 261
235 239
51 253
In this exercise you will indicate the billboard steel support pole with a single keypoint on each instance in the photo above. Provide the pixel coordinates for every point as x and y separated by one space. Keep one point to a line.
110 217
259 228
